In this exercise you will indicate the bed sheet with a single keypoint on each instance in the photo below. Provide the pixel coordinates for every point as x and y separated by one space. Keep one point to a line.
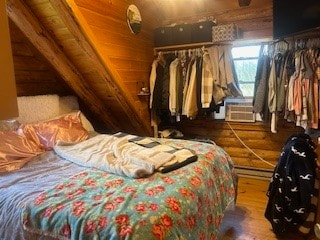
24 185
80 203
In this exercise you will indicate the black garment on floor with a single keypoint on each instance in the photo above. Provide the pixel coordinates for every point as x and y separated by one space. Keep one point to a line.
292 184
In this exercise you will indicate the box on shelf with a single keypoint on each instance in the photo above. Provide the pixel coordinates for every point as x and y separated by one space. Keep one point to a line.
163 36
181 34
226 32
202 31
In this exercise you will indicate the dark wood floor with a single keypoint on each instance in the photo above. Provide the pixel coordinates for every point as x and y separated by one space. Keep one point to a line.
247 221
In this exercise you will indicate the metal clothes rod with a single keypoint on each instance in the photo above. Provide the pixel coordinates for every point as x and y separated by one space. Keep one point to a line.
187 46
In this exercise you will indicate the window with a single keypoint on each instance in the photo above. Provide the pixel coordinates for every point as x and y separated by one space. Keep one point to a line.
246 61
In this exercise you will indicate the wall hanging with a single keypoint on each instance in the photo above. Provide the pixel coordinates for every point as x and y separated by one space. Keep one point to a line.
134 19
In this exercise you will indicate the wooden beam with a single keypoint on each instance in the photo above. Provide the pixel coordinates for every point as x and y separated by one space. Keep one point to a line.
79 28
23 17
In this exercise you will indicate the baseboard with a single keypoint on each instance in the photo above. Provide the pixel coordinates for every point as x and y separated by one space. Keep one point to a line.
250 172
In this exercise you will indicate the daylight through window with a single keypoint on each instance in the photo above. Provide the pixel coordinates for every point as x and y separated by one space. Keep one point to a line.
246 61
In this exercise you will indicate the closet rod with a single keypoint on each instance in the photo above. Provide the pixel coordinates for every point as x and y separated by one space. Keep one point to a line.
186 46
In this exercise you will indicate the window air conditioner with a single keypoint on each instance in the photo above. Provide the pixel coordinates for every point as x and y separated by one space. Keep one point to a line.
239 112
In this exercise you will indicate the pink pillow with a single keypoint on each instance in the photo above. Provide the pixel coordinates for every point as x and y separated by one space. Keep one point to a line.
15 151
66 128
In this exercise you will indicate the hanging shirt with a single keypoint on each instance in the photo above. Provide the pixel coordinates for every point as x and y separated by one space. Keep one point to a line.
157 90
152 79
173 86
190 107
207 81
186 85
261 85
218 92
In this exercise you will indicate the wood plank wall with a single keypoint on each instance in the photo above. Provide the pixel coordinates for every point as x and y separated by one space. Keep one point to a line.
131 54
33 73
256 136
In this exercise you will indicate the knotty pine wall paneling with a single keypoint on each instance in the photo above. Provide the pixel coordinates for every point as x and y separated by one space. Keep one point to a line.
131 54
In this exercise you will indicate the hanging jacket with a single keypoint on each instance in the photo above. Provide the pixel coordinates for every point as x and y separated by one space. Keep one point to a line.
260 104
292 184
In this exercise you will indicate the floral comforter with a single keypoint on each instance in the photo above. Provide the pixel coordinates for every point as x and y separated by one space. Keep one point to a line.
187 203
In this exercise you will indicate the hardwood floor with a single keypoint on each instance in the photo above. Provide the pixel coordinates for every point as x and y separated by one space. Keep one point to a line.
247 221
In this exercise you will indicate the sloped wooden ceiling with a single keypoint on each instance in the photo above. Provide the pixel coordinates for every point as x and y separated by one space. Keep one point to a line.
56 29
32 69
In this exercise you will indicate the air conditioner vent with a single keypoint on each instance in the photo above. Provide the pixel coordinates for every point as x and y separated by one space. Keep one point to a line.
240 113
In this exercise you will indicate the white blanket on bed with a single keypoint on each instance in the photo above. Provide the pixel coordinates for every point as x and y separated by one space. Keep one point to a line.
116 155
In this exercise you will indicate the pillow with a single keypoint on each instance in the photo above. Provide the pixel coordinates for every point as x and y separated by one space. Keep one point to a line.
15 151
37 108
68 104
67 128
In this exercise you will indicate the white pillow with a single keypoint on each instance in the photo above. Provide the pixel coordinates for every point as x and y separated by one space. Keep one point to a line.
44 107
37 108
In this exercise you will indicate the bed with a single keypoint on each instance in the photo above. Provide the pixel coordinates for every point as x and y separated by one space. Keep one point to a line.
47 195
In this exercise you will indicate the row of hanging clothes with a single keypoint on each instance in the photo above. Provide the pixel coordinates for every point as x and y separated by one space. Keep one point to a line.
287 83
191 82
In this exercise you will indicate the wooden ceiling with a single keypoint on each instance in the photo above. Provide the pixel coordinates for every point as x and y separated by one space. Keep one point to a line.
180 11
254 20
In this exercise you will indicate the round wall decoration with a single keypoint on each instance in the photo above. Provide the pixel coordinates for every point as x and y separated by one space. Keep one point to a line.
134 19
